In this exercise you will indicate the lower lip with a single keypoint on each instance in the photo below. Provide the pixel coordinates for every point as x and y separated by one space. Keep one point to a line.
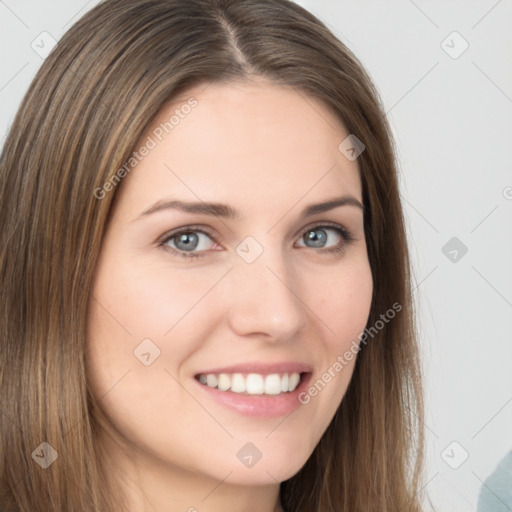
262 406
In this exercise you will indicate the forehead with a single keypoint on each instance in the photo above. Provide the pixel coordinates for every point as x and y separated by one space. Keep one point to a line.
245 144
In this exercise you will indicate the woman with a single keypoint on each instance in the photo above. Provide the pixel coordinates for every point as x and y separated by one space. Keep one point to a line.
205 277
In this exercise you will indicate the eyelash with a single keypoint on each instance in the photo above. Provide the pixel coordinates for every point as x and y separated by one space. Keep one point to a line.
345 234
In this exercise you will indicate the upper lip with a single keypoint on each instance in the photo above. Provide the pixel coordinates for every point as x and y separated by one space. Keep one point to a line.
261 368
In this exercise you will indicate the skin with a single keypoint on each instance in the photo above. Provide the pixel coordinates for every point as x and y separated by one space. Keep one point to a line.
267 151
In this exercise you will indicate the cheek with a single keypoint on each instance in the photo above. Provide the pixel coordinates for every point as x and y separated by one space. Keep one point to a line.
342 304
136 306
342 301
149 299
146 307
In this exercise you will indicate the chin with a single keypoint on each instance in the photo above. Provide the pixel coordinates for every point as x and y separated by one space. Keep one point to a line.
276 464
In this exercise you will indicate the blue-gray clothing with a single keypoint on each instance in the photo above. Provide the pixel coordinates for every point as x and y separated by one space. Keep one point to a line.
496 492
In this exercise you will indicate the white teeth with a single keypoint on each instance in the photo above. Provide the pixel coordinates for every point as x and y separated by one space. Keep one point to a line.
238 383
294 381
272 384
211 380
253 383
284 382
224 382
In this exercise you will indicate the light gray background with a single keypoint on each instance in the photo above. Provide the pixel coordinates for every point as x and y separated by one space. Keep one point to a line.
452 119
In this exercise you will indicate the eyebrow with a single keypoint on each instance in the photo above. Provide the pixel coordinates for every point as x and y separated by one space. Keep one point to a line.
228 212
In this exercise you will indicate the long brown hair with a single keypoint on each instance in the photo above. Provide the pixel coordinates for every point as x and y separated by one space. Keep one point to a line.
91 101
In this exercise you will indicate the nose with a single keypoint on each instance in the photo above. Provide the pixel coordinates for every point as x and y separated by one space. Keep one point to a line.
266 299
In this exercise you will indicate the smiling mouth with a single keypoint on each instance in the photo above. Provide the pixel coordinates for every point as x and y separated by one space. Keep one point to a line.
253 383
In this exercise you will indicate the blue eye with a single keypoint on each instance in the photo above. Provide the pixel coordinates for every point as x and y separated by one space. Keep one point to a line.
319 235
188 243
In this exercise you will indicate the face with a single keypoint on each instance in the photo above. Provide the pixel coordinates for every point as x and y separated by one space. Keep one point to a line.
209 326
